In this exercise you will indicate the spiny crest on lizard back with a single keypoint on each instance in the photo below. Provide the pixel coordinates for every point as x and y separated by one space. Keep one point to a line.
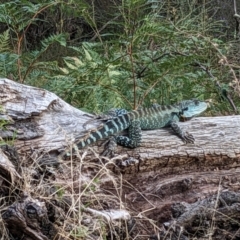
192 108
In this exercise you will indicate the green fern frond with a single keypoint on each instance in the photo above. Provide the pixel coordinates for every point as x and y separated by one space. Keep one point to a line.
18 14
60 38
4 42
31 60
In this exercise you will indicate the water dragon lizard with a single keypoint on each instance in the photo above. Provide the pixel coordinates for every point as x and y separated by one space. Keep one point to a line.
144 119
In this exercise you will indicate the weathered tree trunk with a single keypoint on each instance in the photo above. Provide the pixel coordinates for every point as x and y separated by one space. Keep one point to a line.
162 183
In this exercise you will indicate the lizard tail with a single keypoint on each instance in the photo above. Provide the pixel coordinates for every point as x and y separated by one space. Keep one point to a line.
111 127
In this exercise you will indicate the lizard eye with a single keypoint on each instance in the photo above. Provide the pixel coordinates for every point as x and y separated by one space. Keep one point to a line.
196 102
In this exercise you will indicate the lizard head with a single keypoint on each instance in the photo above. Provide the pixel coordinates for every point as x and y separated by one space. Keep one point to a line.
191 108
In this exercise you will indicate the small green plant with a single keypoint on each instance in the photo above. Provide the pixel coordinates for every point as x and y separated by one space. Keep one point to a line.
3 122
60 192
80 232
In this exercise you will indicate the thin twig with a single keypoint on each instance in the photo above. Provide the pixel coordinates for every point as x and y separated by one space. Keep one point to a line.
103 27
150 88
20 38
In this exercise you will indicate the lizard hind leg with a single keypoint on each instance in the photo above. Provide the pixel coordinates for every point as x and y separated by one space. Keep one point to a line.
134 137
132 140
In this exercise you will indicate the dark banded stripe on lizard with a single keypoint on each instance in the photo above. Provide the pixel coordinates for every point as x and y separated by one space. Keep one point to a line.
145 119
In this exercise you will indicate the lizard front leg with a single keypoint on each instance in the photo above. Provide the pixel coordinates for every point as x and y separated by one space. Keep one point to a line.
185 136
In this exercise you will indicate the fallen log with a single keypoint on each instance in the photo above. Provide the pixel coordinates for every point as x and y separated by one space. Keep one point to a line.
164 171
40 122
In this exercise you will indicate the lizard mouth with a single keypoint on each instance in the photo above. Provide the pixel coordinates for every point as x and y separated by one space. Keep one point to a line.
194 110
184 119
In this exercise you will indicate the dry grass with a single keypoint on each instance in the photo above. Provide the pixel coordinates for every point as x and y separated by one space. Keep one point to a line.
81 195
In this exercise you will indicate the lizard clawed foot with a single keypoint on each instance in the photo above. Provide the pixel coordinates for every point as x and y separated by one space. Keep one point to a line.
128 162
110 147
188 137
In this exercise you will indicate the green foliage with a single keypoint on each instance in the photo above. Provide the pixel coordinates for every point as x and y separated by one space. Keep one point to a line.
4 42
27 65
150 51
36 70
7 57
149 58
16 63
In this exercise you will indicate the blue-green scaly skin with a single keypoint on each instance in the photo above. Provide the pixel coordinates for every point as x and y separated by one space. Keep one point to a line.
155 117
